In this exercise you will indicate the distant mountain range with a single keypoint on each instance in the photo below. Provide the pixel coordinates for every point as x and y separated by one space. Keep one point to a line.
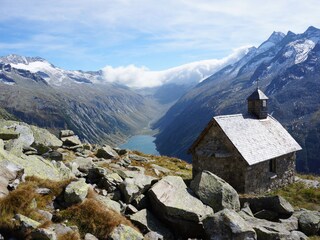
287 67
37 92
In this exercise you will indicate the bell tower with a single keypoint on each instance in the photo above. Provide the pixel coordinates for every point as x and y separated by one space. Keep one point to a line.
258 104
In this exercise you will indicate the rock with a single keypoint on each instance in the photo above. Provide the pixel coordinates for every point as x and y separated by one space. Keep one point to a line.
66 133
290 223
268 230
26 222
43 234
267 215
54 155
108 203
133 187
95 174
141 202
227 224
160 169
43 191
44 140
215 192
153 236
7 134
175 204
76 191
61 229
30 151
296 235
110 182
84 164
246 212
130 209
309 223
147 222
89 236
47 215
138 158
71 141
10 173
106 152
36 166
124 232
275 204
121 152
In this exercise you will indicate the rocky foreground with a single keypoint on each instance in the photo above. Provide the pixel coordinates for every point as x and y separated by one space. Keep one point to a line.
60 188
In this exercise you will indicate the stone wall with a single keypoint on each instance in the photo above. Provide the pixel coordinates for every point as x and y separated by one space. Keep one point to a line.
216 154
258 178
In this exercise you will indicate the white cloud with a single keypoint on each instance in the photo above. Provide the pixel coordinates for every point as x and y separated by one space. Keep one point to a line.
191 73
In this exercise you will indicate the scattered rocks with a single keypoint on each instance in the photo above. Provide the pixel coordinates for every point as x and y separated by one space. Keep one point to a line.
227 224
133 187
76 191
43 234
147 222
106 152
26 222
108 203
309 223
276 204
124 232
215 192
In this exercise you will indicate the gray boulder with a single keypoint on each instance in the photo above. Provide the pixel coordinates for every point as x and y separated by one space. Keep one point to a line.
297 235
27 223
227 224
276 204
215 192
84 164
106 152
268 230
9 173
108 203
44 140
124 232
309 223
133 187
110 181
71 141
43 234
153 236
147 222
76 191
89 236
176 205
7 134
66 133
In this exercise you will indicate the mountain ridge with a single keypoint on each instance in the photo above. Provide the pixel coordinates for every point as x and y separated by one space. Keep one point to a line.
294 56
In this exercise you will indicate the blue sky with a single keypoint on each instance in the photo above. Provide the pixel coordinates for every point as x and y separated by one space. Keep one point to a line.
157 34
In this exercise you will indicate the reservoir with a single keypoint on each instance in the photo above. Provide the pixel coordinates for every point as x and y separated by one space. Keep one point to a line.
142 143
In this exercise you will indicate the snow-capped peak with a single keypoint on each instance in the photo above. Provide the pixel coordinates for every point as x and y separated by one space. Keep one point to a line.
274 39
17 59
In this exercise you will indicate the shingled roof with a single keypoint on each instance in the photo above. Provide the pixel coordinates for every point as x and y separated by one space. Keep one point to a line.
257 140
257 95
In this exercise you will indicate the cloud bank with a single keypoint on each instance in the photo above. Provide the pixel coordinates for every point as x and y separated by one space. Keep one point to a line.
191 73
86 34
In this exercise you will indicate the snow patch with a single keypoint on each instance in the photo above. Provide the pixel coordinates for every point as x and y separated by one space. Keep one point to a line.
302 49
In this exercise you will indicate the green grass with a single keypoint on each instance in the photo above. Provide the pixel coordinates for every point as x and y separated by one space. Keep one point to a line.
301 196
177 166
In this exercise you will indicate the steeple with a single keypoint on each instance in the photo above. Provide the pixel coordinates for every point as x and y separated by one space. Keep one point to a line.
258 104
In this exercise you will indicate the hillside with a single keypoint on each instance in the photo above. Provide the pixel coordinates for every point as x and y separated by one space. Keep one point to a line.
37 92
288 70
54 188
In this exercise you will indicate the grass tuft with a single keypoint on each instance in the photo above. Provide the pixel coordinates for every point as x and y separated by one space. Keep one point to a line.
91 217
69 236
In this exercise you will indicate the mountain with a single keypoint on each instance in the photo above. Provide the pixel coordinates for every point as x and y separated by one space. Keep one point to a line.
287 69
37 92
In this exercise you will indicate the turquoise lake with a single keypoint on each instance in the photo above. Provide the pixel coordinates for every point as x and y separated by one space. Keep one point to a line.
142 143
